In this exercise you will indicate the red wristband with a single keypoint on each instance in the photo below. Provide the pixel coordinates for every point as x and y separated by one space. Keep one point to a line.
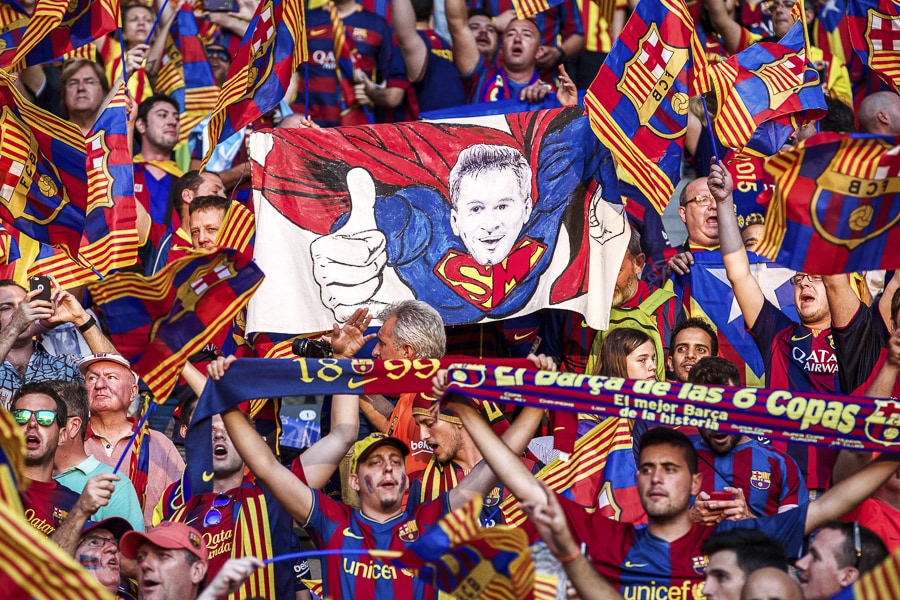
569 558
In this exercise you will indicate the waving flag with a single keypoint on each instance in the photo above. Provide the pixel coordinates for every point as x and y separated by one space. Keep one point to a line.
836 205
459 556
42 161
638 102
158 322
57 29
881 582
875 36
185 74
110 239
272 49
238 229
712 298
764 92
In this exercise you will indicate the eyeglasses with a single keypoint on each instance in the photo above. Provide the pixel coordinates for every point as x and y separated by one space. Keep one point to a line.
857 545
214 514
799 277
702 201
44 418
96 542
785 4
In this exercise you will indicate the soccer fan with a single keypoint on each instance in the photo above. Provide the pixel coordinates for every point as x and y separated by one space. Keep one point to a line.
219 61
429 67
98 552
798 356
23 358
516 76
481 24
666 555
51 508
770 583
838 556
378 475
171 562
341 90
207 213
762 479
157 126
879 113
733 556
112 388
137 23
73 467
84 87
692 340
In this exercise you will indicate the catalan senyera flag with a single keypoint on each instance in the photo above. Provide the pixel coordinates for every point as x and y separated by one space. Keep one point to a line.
836 205
158 322
878 584
272 49
58 29
110 239
529 8
875 37
42 160
461 555
185 74
238 229
638 103
37 568
764 92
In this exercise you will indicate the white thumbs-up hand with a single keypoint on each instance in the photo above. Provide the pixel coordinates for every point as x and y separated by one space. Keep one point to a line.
348 264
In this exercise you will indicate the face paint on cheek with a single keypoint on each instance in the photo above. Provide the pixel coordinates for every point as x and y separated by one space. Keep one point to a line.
369 486
91 563
403 483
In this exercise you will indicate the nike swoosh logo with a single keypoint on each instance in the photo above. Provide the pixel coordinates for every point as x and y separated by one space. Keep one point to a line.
352 384
519 337
316 32
207 476
348 533
631 565
794 338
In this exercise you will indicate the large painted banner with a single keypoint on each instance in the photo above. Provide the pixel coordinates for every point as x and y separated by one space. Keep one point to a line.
483 219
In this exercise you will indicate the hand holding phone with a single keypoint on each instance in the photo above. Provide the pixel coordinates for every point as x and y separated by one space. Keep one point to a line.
721 497
228 6
42 283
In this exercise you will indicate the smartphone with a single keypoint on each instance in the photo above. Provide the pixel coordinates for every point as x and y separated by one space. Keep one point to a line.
721 496
220 5
40 282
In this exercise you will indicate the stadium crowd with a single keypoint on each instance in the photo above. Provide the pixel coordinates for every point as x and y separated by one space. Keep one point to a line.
678 512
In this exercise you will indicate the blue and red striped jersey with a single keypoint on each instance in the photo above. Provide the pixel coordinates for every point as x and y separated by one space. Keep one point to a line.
47 504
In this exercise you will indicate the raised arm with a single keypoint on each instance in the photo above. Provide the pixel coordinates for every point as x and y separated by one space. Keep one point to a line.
842 300
465 49
412 46
67 309
884 304
883 386
737 266
731 31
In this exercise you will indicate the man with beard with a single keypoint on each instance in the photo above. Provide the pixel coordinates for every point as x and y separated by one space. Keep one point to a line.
763 480
798 356
692 340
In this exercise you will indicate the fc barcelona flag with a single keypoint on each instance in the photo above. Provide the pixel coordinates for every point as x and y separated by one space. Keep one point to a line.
459 556
110 239
185 73
272 49
875 36
158 322
638 103
763 92
57 28
42 162
528 8
836 205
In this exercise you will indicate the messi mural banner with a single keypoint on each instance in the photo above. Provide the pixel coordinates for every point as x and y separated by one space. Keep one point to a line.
483 219
836 205
851 422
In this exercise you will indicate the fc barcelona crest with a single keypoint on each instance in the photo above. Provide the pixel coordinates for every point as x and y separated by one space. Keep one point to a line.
883 425
409 531
761 480
699 564
853 199
881 36
649 77
782 78
362 366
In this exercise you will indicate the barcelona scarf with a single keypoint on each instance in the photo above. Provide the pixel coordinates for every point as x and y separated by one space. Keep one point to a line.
836 205
158 322
272 49
638 102
139 465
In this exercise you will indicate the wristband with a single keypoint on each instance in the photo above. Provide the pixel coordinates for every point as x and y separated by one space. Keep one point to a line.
562 54
87 324
567 559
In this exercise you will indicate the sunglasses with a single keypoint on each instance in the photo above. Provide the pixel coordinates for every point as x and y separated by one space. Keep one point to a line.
214 514
44 418
857 545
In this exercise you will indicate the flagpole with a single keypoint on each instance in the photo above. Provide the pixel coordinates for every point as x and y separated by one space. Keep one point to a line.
134 435
709 129
156 22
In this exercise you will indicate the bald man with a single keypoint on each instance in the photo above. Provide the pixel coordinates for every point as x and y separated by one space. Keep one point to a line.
880 114
770 583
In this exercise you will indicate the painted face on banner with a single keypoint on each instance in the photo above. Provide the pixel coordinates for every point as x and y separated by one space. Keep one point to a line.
490 214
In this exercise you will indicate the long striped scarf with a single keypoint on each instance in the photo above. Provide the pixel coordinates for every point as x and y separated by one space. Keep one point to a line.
139 465
346 54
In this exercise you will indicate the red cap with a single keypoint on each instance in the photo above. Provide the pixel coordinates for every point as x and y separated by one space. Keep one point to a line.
169 535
